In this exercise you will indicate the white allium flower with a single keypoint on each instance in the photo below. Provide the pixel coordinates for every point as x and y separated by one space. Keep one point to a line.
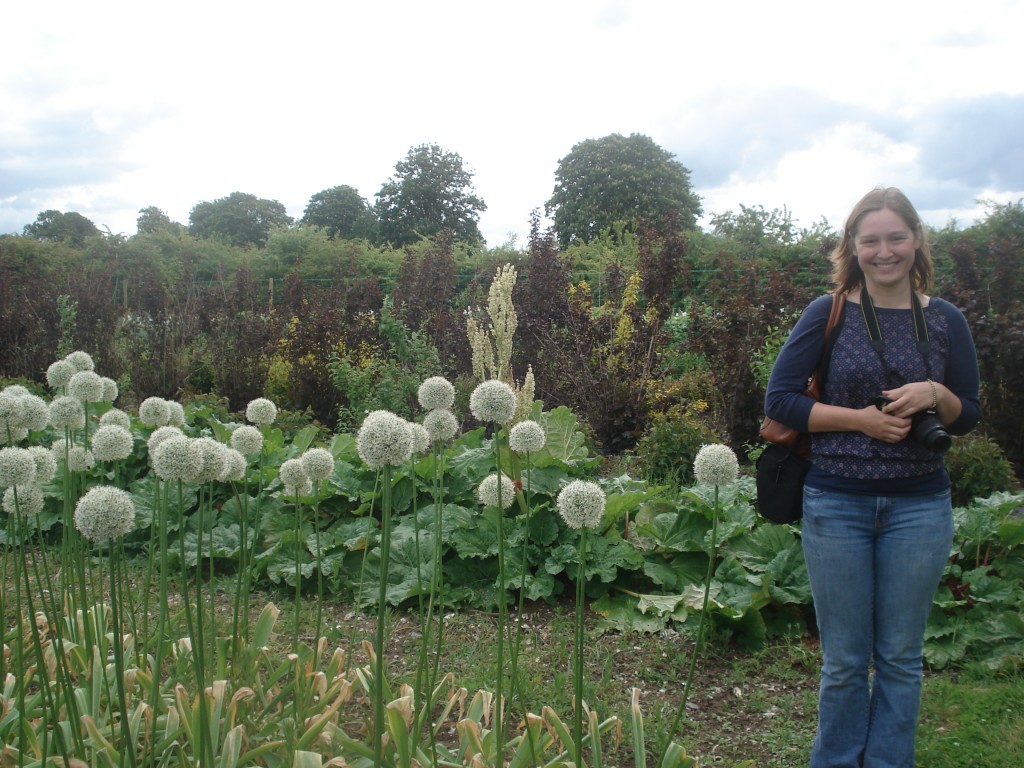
441 425
716 465
15 390
153 412
35 413
213 458
526 437
581 504
59 449
67 413
487 493
292 473
80 458
87 386
234 466
17 467
493 400
59 374
110 391
159 435
247 439
46 463
384 440
112 443
10 410
30 500
420 437
105 513
176 459
261 411
118 417
318 463
175 414
80 361
305 488
436 392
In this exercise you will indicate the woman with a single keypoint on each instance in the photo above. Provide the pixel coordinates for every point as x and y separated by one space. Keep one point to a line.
877 524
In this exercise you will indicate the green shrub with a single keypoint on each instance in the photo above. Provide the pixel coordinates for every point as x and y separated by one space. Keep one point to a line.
978 468
666 451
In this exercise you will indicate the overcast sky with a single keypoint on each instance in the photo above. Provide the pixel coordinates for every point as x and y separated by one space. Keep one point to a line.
109 107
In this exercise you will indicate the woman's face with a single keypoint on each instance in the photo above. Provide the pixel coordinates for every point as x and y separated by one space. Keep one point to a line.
885 246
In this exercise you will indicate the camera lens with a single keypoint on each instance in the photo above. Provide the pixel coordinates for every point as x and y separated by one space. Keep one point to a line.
930 432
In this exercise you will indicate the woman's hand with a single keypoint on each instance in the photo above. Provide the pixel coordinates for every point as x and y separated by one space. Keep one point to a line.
911 398
883 425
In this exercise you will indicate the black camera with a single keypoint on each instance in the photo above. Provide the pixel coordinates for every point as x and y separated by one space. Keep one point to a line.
924 426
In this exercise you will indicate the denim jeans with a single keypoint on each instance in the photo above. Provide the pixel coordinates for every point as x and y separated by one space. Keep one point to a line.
874 564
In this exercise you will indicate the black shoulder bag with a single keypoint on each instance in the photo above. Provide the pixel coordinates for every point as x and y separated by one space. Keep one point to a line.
783 464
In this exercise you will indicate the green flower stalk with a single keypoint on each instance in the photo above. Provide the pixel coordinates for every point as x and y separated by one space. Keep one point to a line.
714 465
581 505
318 464
383 442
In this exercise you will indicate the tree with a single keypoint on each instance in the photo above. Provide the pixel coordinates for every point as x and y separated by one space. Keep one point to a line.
619 180
153 219
55 226
342 212
430 191
238 219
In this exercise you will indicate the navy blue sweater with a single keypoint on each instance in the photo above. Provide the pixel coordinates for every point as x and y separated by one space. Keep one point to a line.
851 461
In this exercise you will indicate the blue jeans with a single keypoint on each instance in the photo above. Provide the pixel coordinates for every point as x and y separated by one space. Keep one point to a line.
874 564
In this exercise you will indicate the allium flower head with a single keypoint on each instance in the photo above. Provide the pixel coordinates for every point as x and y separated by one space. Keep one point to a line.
213 458
80 458
247 439
153 412
67 413
318 463
581 504
105 513
15 390
441 425
305 488
261 411
87 386
10 410
292 473
384 440
59 374
80 361
234 466
526 437
493 400
13 436
17 467
487 493
30 500
176 459
46 464
420 437
118 417
175 414
109 389
716 465
35 413
112 443
159 435
436 392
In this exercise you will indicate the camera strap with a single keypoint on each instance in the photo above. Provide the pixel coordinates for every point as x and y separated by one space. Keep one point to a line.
924 344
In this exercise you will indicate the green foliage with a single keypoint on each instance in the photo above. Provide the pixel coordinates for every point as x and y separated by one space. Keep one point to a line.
666 451
619 180
977 468
239 219
343 212
55 226
431 190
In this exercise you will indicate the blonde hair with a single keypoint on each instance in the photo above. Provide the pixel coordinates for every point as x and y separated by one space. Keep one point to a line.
846 272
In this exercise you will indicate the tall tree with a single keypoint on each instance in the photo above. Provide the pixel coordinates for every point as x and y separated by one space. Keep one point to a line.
70 227
342 212
238 219
431 190
619 180
153 219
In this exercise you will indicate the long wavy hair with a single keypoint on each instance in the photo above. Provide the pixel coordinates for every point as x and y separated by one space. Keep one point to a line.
846 272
